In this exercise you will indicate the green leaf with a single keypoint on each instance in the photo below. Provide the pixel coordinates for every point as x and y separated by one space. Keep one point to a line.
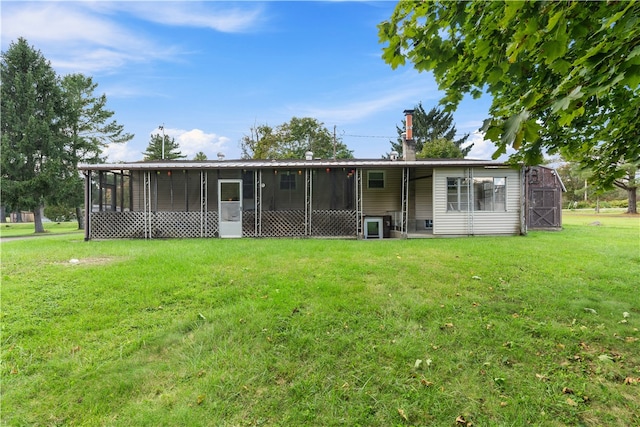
511 9
554 20
493 133
512 127
531 131
553 50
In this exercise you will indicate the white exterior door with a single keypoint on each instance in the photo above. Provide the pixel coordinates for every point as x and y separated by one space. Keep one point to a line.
230 208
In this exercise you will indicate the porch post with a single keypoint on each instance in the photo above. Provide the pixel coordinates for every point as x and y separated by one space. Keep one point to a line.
359 207
308 205
405 203
147 204
87 205
258 201
203 203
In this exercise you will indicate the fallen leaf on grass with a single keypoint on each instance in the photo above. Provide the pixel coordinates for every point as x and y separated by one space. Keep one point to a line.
402 414
571 402
605 358
631 380
541 377
447 326
630 339
590 310
461 420
426 383
567 390
200 399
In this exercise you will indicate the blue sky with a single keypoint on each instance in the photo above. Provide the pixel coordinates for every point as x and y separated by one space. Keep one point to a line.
209 71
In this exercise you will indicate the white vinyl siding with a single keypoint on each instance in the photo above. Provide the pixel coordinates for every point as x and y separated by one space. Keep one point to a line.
473 221
382 201
423 196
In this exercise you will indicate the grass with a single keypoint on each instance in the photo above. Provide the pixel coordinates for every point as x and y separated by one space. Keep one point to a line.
501 331
27 228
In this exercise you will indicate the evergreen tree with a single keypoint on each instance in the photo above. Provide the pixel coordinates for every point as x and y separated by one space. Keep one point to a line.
162 144
32 158
88 129
200 156
432 126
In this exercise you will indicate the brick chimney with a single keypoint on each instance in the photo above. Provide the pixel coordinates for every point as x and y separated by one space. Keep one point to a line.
408 144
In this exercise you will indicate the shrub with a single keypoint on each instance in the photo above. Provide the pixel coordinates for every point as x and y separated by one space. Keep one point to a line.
59 213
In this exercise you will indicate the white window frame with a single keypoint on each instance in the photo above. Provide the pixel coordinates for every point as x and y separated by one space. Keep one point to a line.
490 194
384 179
462 198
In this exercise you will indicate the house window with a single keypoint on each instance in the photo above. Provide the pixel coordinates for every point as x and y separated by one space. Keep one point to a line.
458 194
375 179
489 194
287 181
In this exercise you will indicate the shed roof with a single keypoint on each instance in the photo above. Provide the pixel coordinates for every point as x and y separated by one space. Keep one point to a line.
287 164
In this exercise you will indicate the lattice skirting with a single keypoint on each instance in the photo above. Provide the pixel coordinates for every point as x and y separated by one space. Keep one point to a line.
333 223
131 225
283 224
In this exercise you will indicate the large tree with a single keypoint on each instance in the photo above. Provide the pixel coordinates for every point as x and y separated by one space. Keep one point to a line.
162 147
88 129
543 63
292 140
261 143
433 127
32 144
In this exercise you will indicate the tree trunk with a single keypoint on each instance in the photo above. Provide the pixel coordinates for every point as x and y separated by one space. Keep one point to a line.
80 217
633 200
3 214
18 215
37 219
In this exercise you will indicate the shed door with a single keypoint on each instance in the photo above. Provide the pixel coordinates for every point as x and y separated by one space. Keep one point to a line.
230 207
544 210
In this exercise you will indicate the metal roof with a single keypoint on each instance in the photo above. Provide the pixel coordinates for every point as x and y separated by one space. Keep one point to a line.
287 164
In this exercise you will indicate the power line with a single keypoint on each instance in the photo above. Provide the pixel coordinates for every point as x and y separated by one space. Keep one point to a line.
370 136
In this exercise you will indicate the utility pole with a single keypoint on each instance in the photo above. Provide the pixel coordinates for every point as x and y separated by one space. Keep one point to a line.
161 127
334 142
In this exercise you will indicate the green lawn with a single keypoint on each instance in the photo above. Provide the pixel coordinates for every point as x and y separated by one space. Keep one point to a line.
27 228
495 331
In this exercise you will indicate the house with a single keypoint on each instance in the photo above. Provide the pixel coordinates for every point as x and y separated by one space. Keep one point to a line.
303 198
308 197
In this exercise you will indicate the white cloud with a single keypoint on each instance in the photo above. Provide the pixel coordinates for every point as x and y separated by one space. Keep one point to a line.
77 39
87 37
122 153
484 149
195 140
395 94
237 18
